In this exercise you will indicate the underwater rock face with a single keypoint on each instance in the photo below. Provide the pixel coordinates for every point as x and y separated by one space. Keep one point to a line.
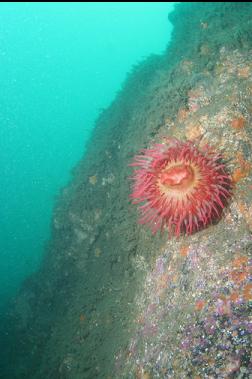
114 301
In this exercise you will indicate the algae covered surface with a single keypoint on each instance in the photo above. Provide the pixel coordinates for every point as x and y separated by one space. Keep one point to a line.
111 300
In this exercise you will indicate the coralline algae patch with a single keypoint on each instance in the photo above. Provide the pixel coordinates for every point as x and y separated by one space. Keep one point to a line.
219 341
219 345
193 322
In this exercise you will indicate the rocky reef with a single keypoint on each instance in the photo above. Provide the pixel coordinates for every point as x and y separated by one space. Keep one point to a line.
112 301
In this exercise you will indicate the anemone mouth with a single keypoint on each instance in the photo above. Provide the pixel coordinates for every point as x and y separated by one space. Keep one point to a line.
180 176
178 179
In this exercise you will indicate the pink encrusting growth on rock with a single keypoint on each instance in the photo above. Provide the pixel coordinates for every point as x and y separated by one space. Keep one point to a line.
179 187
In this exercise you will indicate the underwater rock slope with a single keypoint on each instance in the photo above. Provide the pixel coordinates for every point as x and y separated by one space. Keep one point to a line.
113 301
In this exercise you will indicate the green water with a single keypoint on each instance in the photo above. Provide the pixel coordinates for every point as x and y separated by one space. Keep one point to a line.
60 64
